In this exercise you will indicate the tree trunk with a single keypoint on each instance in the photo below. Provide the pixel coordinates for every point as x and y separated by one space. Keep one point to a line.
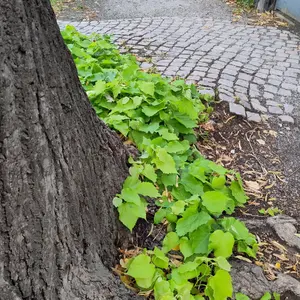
265 5
60 167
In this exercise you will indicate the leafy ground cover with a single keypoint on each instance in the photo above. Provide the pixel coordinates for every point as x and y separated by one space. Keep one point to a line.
194 197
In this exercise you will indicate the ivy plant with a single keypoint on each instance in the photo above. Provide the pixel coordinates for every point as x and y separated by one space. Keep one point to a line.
194 196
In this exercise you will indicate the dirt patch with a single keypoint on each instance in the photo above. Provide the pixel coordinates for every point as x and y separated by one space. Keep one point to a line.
74 10
253 17
253 150
256 151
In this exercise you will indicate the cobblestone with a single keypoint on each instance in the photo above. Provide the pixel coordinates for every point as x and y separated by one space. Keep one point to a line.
257 106
237 109
261 63
275 110
286 119
254 117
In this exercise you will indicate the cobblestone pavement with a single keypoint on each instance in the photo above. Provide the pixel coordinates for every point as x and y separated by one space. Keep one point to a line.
255 69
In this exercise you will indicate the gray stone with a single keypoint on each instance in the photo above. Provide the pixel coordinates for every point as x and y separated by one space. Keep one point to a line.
146 65
270 88
226 98
275 110
250 280
254 93
288 108
274 82
227 77
268 95
272 103
237 109
289 86
226 82
242 83
285 229
284 92
259 80
244 76
246 104
258 107
261 75
241 89
253 117
286 119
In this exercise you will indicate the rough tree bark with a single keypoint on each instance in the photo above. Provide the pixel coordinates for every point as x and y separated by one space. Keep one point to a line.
60 167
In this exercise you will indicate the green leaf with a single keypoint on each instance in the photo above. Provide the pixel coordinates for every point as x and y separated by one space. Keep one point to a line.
266 296
192 222
130 195
136 169
198 297
188 266
187 107
191 184
276 296
240 296
185 120
151 127
129 213
222 243
147 189
146 87
243 247
170 241
150 110
186 247
223 263
165 162
200 239
178 146
142 271
99 87
216 168
159 259
149 172
219 286
218 182
238 192
168 179
167 135
162 290
117 201
178 207
180 193
131 182
159 215
215 202
236 227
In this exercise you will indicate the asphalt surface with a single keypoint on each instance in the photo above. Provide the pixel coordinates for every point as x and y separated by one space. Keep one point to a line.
130 9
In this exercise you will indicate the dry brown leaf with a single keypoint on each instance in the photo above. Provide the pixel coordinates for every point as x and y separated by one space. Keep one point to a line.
273 133
279 246
259 263
208 126
253 185
282 257
243 258
261 142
